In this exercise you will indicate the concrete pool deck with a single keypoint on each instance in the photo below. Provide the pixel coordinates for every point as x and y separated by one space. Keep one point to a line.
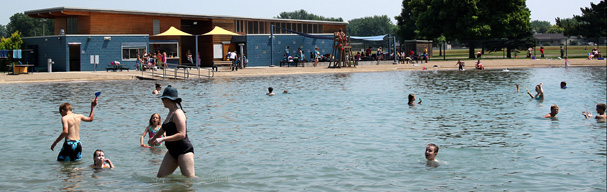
366 66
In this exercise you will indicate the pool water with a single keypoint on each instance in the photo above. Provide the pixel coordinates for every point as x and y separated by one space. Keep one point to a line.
331 132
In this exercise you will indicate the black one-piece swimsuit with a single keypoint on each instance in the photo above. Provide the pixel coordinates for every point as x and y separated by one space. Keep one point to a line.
176 148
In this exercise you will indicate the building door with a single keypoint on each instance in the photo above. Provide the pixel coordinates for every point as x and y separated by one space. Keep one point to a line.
226 47
74 57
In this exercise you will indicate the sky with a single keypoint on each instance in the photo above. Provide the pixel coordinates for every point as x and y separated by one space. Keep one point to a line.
543 10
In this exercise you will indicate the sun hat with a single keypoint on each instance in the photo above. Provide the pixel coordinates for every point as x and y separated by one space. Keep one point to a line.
170 93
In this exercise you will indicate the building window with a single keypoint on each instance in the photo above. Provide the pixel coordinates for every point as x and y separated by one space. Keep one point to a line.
239 25
130 50
250 29
170 47
255 27
72 25
156 26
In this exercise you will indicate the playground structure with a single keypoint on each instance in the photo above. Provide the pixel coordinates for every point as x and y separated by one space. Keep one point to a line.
342 51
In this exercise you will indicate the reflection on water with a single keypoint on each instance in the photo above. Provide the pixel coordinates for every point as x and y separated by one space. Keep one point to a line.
351 131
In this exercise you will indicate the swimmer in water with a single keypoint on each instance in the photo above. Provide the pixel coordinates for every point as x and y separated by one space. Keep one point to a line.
539 89
152 128
100 162
270 93
412 100
600 109
554 109
158 88
431 152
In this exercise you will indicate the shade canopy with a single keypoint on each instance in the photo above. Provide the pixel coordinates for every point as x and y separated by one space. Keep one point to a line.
220 31
370 38
173 32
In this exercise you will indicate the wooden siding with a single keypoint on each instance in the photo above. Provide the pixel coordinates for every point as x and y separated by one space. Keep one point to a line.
110 23
333 28
60 23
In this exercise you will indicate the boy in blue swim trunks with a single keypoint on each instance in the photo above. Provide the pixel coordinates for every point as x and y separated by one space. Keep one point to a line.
72 148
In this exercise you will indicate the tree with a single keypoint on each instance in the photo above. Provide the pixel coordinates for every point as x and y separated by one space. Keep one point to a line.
304 15
571 27
405 23
593 22
555 29
540 26
13 42
370 26
3 31
29 26
470 21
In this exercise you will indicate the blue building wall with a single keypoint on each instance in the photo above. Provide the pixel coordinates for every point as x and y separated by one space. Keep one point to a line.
57 48
53 47
258 47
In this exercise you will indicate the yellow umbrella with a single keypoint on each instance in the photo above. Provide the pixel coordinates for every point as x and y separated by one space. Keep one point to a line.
220 31
173 32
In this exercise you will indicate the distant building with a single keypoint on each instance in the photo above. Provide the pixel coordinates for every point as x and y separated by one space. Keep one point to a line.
117 35
552 39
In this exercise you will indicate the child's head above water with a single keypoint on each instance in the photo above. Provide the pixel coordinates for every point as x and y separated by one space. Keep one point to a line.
600 108
98 157
431 152
411 98
155 119
554 109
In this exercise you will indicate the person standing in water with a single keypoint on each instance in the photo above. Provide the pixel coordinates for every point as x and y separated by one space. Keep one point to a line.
180 150
72 148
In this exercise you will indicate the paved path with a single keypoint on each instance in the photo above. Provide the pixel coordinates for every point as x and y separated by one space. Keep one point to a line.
370 66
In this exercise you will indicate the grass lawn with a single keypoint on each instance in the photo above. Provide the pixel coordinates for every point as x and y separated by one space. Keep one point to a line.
579 51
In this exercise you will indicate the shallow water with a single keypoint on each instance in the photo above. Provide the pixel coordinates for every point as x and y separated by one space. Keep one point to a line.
332 132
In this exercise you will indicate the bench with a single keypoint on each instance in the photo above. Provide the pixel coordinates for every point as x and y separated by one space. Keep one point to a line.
116 67
288 63
217 64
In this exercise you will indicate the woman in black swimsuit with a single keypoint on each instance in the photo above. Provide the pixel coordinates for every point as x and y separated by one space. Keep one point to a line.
181 152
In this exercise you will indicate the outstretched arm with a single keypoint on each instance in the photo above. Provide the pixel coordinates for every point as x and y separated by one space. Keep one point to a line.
92 114
530 94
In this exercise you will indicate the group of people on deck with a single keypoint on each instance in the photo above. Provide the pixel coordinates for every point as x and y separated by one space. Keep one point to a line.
151 61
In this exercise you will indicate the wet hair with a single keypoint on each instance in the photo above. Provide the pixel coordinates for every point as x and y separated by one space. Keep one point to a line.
563 83
95 155
433 145
411 98
65 106
601 106
554 107
270 89
159 118
157 86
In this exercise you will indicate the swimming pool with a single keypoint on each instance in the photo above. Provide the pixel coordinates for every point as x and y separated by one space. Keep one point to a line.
332 132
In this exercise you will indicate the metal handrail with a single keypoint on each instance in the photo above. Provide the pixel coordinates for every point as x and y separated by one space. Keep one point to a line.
171 71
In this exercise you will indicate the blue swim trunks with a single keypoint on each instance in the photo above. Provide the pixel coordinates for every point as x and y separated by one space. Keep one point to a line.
71 151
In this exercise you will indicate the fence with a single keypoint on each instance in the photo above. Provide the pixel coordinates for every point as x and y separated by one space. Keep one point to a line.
175 71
